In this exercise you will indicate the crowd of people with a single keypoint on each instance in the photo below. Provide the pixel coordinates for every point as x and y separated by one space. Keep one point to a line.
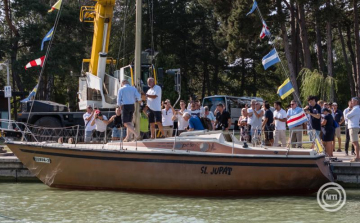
256 120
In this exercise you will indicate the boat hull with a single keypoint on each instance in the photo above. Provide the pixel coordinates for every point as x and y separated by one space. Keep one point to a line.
173 173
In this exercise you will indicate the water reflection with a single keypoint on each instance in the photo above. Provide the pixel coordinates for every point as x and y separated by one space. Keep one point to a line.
39 203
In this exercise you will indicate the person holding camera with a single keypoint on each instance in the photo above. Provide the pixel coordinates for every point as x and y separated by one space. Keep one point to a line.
100 121
117 124
88 118
313 110
127 96
223 119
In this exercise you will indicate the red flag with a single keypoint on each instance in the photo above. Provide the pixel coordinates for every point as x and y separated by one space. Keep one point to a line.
37 62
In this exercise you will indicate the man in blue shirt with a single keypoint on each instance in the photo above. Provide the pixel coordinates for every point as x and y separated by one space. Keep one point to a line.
296 133
127 96
194 122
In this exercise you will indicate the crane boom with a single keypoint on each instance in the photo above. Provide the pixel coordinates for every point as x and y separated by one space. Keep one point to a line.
101 15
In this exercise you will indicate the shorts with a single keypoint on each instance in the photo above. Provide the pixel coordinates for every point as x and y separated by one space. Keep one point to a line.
337 132
354 134
127 112
116 133
154 116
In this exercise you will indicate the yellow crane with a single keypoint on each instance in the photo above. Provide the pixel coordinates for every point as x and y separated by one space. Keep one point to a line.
97 88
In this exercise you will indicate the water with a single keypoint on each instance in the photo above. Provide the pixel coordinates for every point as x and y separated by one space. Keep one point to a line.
35 202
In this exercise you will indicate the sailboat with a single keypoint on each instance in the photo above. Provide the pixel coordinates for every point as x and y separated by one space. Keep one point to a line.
196 163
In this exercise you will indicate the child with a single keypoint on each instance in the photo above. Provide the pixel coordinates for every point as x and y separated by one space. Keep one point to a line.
144 123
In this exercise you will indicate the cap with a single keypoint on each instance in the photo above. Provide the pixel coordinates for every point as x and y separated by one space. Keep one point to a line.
89 106
220 104
334 103
325 109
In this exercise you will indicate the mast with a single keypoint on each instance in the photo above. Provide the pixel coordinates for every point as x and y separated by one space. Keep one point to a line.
137 67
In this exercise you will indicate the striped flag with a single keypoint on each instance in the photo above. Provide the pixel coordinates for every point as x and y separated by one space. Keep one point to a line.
56 6
37 62
270 59
265 31
297 119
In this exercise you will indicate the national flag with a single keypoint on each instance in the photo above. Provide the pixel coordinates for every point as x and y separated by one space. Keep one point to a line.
32 94
285 89
270 59
265 31
37 62
253 8
297 119
56 6
47 37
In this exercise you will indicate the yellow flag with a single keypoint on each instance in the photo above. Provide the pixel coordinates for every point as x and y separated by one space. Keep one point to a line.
318 145
56 6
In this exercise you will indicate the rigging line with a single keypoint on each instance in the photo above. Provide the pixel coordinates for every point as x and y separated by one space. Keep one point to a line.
46 56
122 34
295 93
272 40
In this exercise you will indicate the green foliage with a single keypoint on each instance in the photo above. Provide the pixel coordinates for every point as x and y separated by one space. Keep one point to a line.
314 83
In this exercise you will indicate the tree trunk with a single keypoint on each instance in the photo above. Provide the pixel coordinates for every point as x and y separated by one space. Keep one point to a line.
294 36
352 57
347 65
243 73
329 51
304 36
14 46
319 52
288 52
357 42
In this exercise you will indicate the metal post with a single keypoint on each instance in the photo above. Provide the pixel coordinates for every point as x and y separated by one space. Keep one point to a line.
233 141
176 131
77 133
137 75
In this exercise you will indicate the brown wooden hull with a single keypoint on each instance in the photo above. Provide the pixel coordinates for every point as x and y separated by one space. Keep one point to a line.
173 173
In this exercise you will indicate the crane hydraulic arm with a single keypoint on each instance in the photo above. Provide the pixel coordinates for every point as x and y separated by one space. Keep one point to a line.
101 15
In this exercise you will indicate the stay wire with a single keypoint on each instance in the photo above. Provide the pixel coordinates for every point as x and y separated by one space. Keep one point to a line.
286 73
46 56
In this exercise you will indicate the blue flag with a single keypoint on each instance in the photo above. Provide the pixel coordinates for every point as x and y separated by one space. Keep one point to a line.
270 59
47 37
253 8
285 89
32 94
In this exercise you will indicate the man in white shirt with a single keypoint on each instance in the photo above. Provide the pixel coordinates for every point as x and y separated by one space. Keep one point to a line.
153 96
280 118
250 114
182 123
353 117
347 134
167 122
100 122
88 118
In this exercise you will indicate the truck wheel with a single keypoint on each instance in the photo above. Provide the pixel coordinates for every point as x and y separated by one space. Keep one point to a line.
48 122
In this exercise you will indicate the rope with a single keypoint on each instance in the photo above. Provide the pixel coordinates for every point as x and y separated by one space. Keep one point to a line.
286 73
46 55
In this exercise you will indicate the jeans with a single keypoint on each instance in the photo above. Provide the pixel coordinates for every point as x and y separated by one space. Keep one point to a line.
88 136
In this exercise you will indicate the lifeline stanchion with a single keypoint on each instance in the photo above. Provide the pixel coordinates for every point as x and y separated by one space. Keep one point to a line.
233 141
173 149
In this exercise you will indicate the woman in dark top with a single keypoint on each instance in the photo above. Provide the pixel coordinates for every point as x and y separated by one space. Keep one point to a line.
328 131
267 126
